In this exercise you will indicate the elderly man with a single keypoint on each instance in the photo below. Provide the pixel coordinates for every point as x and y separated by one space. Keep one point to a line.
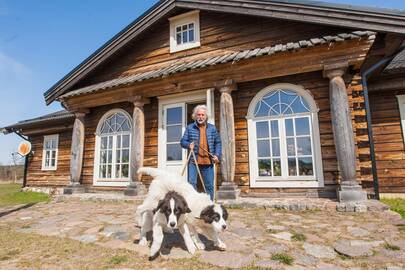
202 138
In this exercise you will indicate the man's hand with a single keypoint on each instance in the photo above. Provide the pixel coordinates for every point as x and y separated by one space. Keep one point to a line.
215 159
191 146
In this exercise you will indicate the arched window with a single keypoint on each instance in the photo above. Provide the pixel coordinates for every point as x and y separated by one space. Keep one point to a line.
113 143
284 145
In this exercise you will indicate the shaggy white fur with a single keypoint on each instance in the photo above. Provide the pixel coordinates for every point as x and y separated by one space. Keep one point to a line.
163 182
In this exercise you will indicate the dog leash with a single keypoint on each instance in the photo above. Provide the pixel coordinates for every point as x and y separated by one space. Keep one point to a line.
198 169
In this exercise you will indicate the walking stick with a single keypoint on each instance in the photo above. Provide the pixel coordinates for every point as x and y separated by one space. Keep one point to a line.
198 169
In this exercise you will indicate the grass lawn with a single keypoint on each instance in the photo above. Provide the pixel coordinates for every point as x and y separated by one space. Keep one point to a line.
397 205
11 194
31 251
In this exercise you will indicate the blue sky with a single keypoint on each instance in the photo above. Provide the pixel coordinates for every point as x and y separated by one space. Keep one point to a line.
41 41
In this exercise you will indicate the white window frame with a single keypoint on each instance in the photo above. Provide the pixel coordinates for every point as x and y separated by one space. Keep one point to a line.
111 182
401 104
182 19
316 180
49 167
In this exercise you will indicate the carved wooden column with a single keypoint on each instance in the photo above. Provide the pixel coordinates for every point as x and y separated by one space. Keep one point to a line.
349 189
137 147
228 189
76 154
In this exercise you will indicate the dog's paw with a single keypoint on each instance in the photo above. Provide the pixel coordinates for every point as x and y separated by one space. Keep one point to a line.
221 246
200 245
152 257
191 249
143 242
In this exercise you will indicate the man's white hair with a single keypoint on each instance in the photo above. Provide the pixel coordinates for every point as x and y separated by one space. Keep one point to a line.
196 109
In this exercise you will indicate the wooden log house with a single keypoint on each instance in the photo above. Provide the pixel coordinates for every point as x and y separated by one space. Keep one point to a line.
282 81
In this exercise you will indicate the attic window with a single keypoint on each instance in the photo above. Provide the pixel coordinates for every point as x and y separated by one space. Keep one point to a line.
185 31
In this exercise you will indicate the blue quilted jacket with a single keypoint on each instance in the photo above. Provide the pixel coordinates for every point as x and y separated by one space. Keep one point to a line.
192 134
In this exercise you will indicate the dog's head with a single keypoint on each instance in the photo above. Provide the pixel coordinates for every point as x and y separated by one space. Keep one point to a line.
216 215
172 206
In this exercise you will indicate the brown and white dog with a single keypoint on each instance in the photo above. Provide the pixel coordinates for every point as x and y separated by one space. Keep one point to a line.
206 215
171 212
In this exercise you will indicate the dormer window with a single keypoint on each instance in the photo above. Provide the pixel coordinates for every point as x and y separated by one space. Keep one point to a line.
184 31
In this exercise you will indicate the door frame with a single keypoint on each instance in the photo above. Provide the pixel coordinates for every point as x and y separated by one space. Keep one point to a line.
206 95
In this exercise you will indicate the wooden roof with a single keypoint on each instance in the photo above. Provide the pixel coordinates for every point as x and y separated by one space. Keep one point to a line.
55 116
374 19
181 66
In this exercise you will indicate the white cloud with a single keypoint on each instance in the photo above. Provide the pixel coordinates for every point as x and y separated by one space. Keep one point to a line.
11 70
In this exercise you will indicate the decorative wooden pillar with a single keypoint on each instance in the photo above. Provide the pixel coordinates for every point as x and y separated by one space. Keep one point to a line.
76 154
228 189
349 189
137 147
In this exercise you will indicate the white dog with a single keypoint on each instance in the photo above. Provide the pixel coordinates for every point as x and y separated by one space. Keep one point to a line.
206 215
171 212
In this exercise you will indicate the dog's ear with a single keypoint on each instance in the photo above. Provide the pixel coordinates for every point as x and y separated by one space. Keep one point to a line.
186 209
206 214
160 204
224 212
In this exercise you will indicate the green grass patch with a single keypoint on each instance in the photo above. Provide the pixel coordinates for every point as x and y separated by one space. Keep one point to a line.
298 237
118 259
391 247
11 194
397 205
283 258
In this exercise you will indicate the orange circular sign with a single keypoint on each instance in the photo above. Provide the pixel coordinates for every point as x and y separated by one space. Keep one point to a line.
24 148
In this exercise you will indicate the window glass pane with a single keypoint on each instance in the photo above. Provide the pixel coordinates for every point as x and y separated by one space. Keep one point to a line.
118 156
302 126
185 37
178 38
173 152
184 27
292 167
47 154
275 144
109 156
263 148
303 146
119 141
103 157
102 171
262 109
174 115
300 105
178 29
53 162
289 128
117 171
305 166
54 144
108 173
264 167
48 144
272 99
53 154
174 133
286 97
125 170
191 26
125 141
277 167
104 142
262 129
110 141
125 156
290 147
274 129
191 35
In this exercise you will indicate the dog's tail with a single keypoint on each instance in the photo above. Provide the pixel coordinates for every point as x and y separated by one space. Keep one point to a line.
154 172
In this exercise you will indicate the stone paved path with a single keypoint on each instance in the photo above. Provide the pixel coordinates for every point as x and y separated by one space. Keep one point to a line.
256 237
